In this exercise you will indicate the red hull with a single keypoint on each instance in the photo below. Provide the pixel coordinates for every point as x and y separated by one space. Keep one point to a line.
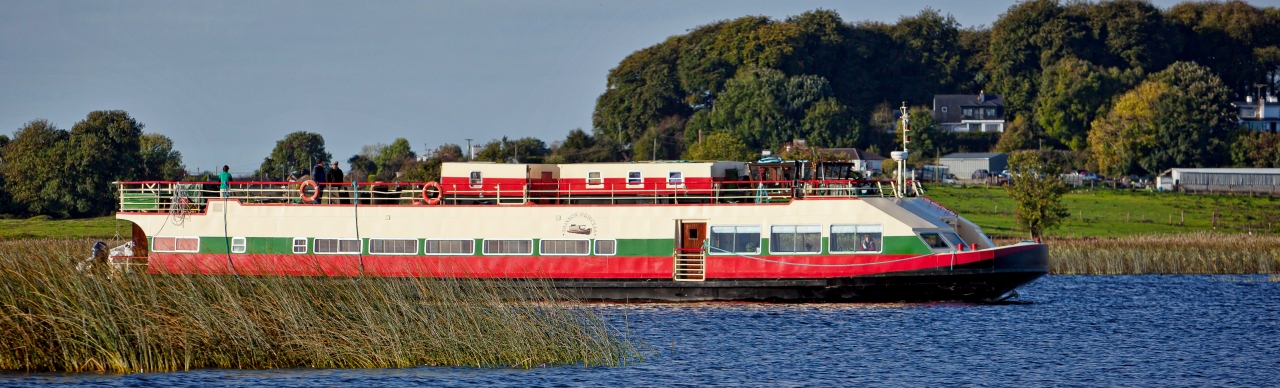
566 267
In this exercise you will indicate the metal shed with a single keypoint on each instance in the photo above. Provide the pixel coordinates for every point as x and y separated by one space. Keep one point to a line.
963 165
1259 180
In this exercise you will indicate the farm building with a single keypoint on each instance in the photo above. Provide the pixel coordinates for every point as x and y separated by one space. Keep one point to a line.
1243 180
963 165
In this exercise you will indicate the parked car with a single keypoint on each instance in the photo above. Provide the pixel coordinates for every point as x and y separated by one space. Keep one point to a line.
980 174
949 179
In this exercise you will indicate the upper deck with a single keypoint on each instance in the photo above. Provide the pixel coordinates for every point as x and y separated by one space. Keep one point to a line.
535 184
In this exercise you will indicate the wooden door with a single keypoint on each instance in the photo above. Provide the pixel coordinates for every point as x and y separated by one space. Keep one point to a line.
692 234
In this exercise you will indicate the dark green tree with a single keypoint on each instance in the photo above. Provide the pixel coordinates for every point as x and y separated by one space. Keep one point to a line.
522 150
297 152
360 168
34 169
159 160
101 149
1073 92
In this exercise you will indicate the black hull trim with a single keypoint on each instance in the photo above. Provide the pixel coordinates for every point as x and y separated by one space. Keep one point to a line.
975 282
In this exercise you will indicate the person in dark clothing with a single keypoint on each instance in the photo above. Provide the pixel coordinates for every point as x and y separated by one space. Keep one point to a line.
317 174
335 176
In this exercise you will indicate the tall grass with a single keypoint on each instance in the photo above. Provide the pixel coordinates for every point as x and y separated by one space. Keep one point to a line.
1188 253
53 318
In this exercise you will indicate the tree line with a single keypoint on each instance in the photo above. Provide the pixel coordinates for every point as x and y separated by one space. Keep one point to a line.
1121 86
68 173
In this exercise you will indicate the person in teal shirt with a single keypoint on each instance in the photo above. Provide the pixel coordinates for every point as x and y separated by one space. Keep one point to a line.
225 177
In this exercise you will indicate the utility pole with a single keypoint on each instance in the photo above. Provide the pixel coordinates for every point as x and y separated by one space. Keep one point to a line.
655 149
469 150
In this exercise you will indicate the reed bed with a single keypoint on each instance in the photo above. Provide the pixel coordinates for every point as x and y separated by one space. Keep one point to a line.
53 318
1186 253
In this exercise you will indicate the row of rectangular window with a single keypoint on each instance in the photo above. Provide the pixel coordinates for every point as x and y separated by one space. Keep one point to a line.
854 238
408 246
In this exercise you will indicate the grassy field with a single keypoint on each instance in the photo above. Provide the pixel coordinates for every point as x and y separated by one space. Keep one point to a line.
101 228
1117 213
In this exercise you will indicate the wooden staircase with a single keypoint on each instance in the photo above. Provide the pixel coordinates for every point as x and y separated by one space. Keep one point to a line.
690 265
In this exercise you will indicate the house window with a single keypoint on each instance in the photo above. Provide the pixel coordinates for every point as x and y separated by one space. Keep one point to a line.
944 109
856 238
508 247
990 113
299 245
967 113
449 247
238 245
336 245
380 246
566 247
975 127
795 238
735 239
634 178
475 179
675 178
175 244
594 179
606 247
992 127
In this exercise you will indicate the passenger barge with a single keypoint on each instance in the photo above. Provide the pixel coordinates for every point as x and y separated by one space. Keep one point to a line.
675 231
658 231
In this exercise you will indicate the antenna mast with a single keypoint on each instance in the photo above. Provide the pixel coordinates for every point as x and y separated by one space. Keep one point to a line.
901 156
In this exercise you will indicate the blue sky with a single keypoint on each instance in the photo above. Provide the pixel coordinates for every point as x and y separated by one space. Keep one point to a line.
225 80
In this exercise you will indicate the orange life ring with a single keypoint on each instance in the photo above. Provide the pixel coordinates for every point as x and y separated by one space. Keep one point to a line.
302 191
426 198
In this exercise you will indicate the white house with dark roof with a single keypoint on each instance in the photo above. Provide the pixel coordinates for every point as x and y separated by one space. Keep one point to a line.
863 161
969 112
1259 114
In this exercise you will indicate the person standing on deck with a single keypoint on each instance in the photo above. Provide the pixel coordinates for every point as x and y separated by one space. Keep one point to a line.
317 174
335 176
225 177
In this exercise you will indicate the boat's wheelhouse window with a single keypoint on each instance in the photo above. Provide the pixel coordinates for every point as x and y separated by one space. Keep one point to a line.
508 247
634 178
953 238
175 244
336 245
449 247
475 179
299 245
857 238
606 247
566 247
735 239
594 179
934 240
675 178
380 246
795 238
238 245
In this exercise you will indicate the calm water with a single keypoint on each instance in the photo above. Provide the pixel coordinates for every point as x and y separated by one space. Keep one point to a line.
1068 330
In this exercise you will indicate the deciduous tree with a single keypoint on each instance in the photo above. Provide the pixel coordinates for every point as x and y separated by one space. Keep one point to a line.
1037 191
720 146
296 153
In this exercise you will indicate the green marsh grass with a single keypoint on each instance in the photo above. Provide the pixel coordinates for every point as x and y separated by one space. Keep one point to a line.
53 318
1184 253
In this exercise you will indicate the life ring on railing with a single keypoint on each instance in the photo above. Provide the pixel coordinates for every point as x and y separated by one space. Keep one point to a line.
302 191
426 197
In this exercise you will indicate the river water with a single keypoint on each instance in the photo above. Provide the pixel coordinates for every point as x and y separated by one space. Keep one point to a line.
1064 331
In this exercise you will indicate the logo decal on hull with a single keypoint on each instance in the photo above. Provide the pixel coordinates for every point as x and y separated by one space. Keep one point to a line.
580 224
